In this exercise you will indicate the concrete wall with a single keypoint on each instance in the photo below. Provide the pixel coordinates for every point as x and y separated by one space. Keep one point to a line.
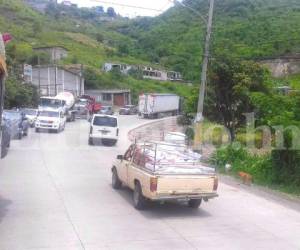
282 67
62 79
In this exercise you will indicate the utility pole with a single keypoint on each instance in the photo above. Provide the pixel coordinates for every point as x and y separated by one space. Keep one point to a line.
81 80
39 66
206 56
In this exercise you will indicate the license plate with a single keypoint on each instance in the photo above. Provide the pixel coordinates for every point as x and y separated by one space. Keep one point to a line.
104 132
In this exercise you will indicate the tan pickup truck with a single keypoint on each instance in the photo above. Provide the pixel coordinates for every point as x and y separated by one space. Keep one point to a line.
163 172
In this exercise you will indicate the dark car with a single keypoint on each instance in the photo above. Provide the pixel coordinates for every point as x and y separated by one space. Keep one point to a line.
106 110
128 110
5 142
17 122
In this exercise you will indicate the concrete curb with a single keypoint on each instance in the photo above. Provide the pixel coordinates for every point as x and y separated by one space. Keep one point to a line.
131 132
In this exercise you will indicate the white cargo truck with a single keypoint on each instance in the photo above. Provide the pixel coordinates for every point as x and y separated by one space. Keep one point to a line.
158 105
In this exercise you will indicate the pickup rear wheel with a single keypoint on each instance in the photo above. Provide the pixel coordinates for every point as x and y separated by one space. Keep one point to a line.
138 199
116 183
195 203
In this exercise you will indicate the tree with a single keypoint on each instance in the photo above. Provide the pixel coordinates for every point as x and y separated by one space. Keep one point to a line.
19 95
99 37
111 12
231 82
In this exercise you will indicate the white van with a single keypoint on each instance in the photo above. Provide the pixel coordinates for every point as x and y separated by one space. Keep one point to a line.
54 120
104 128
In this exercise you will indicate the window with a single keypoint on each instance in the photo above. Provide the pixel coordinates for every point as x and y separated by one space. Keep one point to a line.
128 155
105 121
48 114
107 97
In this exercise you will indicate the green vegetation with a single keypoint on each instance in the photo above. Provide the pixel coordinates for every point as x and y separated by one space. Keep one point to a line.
278 171
242 28
87 39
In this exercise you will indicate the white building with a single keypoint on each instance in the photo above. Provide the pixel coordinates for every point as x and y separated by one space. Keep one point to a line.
123 68
147 71
51 79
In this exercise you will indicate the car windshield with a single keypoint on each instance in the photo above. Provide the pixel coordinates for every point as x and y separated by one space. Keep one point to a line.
48 114
128 107
47 102
30 112
105 108
82 102
105 121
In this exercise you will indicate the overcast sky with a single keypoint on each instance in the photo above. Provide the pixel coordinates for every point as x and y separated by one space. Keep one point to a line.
127 11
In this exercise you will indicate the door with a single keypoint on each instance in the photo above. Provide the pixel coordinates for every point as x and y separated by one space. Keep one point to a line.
124 165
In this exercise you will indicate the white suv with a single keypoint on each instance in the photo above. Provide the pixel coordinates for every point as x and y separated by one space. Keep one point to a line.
54 120
104 128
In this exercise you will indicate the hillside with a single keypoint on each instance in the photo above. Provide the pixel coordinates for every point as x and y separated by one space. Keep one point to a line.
242 28
88 40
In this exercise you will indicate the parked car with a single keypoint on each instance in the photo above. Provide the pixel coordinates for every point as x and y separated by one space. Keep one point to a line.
17 122
51 120
31 115
106 110
5 142
128 110
164 172
104 128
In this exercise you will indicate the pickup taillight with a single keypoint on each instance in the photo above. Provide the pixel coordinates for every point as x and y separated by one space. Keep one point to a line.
153 184
216 183
91 130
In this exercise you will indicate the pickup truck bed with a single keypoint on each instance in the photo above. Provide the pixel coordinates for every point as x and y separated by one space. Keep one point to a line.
158 180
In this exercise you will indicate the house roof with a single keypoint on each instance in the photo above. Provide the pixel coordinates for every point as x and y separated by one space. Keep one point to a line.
59 67
107 91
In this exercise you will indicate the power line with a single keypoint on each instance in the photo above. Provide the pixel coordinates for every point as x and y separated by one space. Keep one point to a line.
127 5
190 8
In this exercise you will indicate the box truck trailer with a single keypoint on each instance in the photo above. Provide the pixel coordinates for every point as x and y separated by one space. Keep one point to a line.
158 105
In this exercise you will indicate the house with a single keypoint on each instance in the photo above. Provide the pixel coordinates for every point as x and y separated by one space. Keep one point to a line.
147 72
151 73
56 53
160 75
67 3
113 97
40 5
123 68
174 76
52 79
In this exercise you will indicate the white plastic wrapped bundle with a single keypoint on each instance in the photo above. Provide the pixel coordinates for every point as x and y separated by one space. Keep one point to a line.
167 158
2 47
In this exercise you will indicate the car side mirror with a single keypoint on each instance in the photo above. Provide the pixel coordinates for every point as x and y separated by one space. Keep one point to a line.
120 157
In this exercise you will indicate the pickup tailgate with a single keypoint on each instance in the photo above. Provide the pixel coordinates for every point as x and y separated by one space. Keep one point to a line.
186 185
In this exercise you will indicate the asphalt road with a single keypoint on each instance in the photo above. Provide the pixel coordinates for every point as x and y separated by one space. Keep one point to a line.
55 193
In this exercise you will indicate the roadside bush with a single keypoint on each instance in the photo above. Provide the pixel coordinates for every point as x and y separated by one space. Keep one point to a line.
286 166
258 166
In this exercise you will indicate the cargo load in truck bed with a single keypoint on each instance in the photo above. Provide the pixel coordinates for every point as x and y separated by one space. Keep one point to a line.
167 158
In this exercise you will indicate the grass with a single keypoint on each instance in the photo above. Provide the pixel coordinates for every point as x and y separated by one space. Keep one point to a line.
259 166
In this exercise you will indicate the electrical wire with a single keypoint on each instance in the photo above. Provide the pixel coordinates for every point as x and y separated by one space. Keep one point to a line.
190 8
127 5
